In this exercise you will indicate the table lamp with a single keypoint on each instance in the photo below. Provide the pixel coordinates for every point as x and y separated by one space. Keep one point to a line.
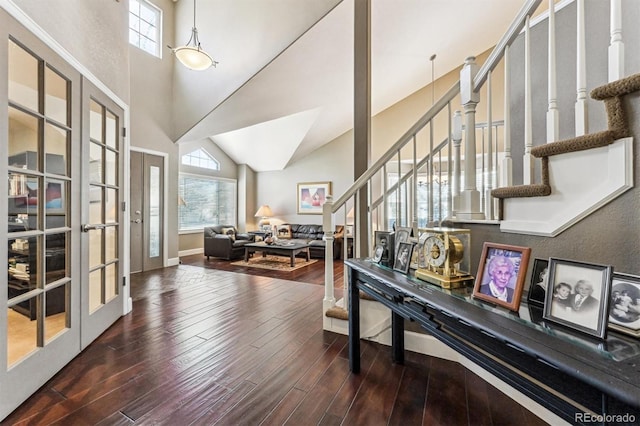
264 213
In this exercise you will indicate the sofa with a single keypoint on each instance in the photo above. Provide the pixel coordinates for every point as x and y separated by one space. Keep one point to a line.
313 235
225 242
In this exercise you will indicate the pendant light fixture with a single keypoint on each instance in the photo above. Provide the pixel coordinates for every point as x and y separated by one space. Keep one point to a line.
191 55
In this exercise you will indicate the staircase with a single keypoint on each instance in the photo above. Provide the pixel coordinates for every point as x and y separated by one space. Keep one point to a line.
467 172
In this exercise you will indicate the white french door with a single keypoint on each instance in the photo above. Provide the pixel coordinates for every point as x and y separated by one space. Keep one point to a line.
40 149
102 195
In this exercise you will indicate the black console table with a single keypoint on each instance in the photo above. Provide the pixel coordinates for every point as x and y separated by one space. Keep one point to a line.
573 376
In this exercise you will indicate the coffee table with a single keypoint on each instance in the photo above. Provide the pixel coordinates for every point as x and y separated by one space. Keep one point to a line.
289 248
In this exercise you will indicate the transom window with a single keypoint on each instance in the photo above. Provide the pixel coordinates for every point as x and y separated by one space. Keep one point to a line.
145 22
200 158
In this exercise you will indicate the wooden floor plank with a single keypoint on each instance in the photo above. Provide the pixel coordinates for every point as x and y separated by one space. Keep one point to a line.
212 343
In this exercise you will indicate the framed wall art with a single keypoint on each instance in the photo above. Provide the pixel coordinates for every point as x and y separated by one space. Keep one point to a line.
311 196
578 296
624 309
538 285
501 274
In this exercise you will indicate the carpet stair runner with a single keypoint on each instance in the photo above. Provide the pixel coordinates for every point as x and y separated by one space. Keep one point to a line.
611 94
341 313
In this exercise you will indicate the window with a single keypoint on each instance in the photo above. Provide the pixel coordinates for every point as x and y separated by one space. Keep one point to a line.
207 202
200 158
145 21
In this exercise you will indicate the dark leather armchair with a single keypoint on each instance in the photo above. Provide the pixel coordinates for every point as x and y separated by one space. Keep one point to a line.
225 242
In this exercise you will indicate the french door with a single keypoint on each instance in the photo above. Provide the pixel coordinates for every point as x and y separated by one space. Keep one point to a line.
39 146
102 195
60 148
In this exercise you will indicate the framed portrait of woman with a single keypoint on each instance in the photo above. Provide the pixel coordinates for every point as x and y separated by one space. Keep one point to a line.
501 274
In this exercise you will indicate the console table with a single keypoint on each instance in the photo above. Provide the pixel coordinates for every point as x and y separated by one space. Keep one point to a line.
565 372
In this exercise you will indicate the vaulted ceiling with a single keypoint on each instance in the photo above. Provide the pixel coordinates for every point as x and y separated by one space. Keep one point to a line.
284 84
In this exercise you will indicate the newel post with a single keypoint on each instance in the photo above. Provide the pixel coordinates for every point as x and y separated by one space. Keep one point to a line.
327 227
469 207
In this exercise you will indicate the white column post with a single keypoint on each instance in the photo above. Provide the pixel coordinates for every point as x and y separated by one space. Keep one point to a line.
616 46
506 171
527 160
553 124
581 73
470 196
456 135
327 226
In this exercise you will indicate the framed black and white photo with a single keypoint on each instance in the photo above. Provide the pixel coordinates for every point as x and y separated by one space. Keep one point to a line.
624 309
501 274
538 284
402 235
403 257
378 251
385 239
578 296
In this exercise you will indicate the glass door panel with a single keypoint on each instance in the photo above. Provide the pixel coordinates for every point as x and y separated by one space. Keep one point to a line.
23 77
154 211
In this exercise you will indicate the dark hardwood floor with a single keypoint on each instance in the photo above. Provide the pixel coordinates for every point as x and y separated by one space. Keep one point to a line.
207 344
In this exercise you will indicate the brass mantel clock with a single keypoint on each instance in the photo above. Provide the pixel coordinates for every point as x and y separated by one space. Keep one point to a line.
444 260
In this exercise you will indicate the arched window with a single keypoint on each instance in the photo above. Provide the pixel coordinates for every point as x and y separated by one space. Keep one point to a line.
200 158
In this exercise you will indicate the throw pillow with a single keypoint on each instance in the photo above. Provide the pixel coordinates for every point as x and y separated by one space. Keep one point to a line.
231 232
284 231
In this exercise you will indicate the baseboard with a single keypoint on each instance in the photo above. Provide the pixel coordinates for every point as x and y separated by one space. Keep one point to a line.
174 261
190 252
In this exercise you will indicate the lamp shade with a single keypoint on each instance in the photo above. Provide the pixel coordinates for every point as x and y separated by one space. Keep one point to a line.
193 58
264 211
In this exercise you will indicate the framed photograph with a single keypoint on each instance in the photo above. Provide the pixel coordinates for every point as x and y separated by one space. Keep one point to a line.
283 231
501 274
266 228
415 253
386 240
538 284
311 196
402 235
624 309
403 257
578 296
348 230
377 254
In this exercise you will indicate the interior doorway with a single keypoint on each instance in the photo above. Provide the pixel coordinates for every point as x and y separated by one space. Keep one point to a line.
147 176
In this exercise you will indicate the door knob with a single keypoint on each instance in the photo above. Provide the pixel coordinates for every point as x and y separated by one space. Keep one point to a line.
136 221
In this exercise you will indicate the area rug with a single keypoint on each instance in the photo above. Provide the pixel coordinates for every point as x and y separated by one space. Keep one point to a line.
276 263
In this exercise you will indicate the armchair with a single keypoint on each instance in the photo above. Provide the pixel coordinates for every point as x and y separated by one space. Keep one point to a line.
225 242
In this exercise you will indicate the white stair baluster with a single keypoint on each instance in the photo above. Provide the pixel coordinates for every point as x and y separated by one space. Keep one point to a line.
527 160
616 46
506 171
553 123
582 127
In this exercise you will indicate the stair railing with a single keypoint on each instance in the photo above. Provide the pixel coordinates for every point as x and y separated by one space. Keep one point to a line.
392 183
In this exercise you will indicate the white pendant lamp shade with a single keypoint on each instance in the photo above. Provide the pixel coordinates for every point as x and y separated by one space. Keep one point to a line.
191 55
